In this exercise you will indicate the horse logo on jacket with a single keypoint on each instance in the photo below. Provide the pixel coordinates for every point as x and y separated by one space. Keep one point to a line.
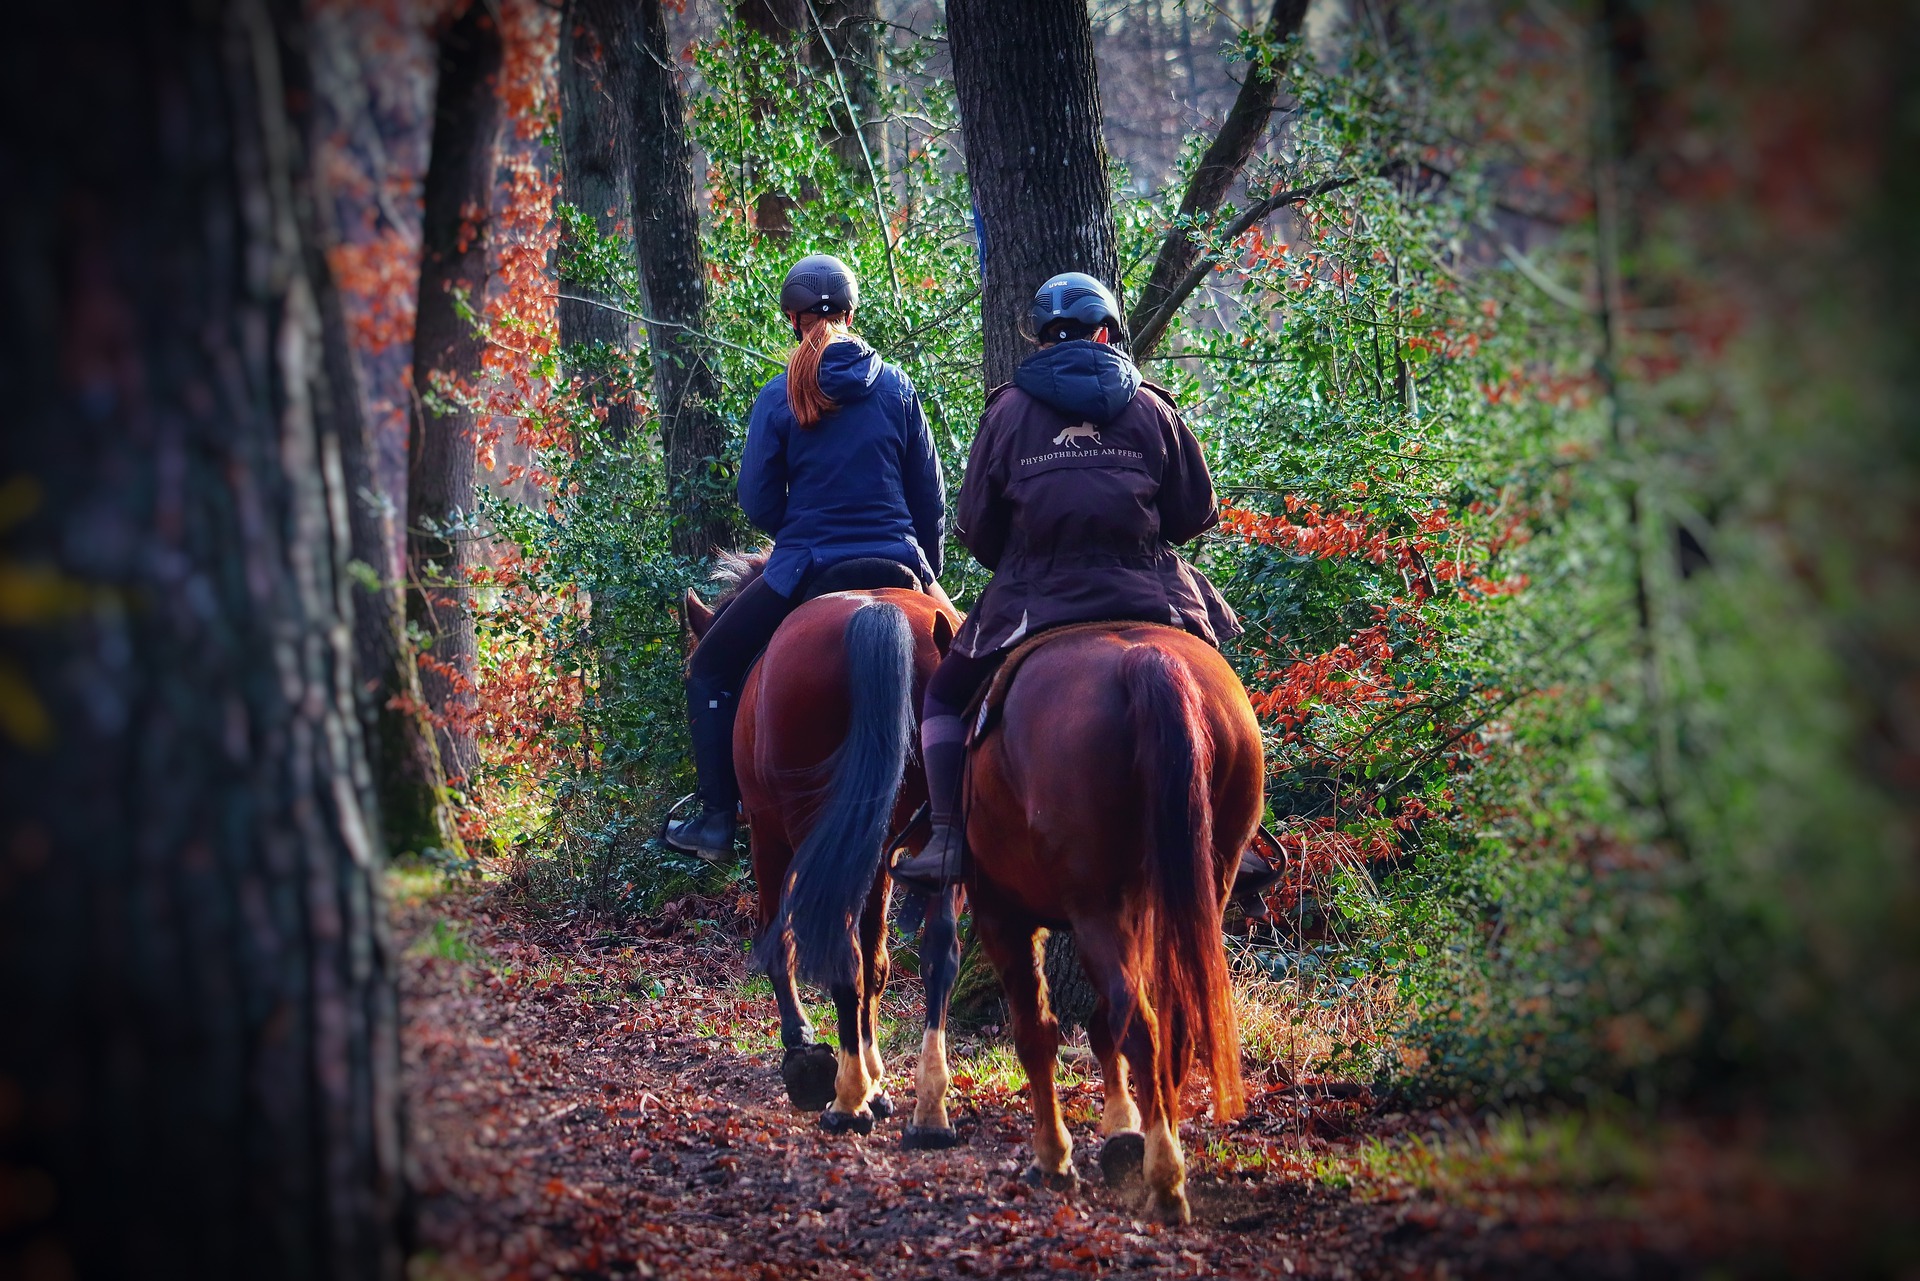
1074 435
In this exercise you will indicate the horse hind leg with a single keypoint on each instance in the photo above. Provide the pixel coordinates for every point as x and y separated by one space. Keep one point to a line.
1123 1148
1015 953
806 1067
876 969
1163 1166
852 1085
939 966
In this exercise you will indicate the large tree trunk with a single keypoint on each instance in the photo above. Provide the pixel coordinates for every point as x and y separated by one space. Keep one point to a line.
200 1050
441 449
598 41
1030 113
673 273
404 758
1225 157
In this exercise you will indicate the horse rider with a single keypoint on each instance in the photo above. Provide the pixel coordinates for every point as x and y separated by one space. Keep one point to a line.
839 463
1080 484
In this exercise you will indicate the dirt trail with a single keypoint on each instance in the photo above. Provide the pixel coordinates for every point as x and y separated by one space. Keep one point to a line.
571 1117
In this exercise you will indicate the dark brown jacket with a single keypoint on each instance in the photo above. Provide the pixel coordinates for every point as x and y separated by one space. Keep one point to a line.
1078 520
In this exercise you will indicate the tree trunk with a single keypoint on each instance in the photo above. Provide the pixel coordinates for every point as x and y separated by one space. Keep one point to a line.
408 786
454 240
1225 157
673 275
200 1055
779 21
598 42
849 41
1030 114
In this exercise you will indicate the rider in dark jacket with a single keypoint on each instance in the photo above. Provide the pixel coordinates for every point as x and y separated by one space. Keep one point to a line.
1081 482
839 464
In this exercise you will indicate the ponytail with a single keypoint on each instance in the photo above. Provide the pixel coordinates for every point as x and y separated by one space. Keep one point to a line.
804 397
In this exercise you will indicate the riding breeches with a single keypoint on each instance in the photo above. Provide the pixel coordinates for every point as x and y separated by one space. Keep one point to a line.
714 676
957 679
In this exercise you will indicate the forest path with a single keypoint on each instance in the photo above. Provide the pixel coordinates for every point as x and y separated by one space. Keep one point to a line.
593 1106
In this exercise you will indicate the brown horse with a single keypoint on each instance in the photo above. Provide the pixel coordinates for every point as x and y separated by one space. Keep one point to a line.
823 747
1114 798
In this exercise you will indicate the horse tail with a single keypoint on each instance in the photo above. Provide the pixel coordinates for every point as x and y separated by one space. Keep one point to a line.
834 868
1173 764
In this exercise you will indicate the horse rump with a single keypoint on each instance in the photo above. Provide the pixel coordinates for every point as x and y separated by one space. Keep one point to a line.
834 868
1174 764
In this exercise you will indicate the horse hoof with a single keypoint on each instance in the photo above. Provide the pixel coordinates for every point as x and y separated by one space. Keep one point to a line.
881 1106
1122 1157
930 1138
860 1122
1172 1210
1062 1181
809 1072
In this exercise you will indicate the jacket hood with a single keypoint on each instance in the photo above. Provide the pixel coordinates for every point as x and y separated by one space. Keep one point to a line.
1081 379
848 370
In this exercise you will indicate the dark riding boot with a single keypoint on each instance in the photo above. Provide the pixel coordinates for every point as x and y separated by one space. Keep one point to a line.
710 722
944 750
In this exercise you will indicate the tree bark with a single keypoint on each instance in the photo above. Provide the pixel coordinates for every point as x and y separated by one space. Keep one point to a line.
1217 171
780 21
441 448
199 1066
408 785
598 42
849 40
673 275
1030 115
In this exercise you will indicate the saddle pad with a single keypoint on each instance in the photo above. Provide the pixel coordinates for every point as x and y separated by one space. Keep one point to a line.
984 712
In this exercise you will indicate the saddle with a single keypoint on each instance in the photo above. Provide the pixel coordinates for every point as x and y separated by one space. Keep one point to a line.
862 573
983 714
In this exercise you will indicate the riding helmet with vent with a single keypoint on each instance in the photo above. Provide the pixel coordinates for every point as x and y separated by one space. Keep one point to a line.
1073 304
822 284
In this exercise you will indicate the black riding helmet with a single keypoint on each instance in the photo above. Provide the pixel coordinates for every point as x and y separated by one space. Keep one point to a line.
821 284
1073 305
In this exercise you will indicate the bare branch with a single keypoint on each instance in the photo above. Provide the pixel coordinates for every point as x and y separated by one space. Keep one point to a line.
1225 157
1146 335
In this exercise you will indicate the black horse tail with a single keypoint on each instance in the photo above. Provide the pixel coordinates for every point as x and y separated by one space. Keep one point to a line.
834 868
1173 765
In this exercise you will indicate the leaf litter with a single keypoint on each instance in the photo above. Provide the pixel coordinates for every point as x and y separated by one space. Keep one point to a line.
586 1104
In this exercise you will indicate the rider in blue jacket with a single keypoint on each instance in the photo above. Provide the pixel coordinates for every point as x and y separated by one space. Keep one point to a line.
839 463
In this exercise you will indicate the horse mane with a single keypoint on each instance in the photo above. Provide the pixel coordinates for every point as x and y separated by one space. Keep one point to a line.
735 571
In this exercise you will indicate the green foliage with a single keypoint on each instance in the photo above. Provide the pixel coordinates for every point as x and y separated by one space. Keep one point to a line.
1594 825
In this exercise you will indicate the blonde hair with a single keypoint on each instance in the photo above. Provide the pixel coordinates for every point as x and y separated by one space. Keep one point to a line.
804 397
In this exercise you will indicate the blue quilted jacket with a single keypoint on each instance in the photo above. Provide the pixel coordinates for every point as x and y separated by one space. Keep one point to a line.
863 481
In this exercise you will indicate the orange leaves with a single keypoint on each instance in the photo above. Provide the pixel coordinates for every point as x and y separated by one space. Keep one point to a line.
1309 531
377 279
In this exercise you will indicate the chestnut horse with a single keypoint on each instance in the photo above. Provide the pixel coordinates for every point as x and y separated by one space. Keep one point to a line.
823 746
1114 797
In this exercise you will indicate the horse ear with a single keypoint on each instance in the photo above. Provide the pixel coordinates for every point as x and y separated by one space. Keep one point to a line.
699 617
942 633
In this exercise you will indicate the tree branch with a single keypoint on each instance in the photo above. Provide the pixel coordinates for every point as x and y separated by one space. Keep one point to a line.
1225 157
1147 333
